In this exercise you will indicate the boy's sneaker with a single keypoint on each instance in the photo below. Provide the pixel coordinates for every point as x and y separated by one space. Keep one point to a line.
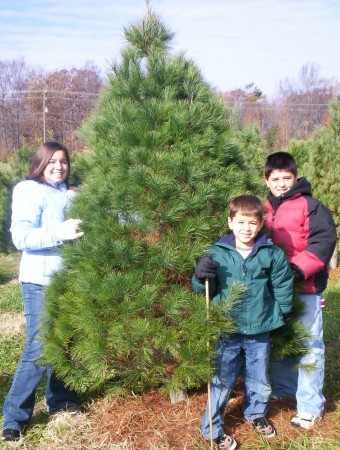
225 442
305 421
262 426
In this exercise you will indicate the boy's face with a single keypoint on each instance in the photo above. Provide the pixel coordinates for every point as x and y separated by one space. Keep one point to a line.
280 181
245 229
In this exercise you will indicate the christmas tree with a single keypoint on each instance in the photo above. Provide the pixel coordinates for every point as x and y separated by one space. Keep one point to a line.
161 167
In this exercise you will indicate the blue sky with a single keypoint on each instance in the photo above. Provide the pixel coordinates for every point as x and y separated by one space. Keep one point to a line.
233 42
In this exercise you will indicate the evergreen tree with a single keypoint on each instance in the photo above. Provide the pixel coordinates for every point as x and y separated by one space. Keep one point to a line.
162 164
15 169
255 151
162 167
21 163
322 164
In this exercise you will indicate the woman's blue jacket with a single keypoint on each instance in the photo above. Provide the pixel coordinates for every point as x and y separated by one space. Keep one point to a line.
37 212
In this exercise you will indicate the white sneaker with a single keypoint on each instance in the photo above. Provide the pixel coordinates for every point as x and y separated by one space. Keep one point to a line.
225 442
305 421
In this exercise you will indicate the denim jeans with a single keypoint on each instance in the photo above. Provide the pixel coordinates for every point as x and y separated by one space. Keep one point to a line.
252 352
19 403
304 384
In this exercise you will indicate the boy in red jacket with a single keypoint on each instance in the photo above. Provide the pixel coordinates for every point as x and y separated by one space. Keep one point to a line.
304 228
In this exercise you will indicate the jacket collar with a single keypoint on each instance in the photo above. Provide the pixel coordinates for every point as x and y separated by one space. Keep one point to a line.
229 239
301 187
59 186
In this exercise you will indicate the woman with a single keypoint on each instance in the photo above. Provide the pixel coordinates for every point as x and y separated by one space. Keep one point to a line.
38 227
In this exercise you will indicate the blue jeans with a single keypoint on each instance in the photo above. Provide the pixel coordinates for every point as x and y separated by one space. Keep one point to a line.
19 403
252 351
304 384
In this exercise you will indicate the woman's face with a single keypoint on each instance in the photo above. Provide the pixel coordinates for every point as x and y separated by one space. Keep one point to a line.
57 169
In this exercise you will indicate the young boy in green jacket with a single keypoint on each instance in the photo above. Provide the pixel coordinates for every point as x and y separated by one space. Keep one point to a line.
248 257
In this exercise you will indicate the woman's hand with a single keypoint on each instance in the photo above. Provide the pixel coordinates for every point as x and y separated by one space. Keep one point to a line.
70 230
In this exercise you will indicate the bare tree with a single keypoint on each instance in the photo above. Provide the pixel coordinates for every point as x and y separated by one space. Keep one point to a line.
35 105
14 76
304 103
248 102
66 98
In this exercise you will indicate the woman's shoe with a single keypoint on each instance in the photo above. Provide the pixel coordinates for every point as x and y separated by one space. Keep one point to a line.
10 434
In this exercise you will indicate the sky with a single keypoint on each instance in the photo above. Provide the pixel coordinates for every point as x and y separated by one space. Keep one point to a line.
233 42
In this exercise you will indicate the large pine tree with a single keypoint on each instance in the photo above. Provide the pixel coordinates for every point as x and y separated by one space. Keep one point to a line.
323 164
160 169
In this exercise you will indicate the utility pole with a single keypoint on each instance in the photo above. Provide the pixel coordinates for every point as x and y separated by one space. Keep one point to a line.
45 110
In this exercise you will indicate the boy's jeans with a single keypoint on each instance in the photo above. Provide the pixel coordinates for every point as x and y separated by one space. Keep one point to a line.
252 351
304 384
19 404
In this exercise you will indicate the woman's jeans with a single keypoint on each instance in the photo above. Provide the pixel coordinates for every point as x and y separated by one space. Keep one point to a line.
253 352
19 404
304 384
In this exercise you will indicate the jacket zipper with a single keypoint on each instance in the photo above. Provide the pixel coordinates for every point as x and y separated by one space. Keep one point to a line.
244 268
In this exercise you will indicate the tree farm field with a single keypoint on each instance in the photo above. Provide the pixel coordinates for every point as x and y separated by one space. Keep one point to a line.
151 421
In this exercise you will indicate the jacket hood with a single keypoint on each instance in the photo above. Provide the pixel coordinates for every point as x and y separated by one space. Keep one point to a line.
301 187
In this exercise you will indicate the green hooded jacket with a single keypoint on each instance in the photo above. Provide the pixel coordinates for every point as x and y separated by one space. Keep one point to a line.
265 273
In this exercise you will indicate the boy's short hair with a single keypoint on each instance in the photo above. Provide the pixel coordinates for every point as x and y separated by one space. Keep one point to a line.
248 205
280 161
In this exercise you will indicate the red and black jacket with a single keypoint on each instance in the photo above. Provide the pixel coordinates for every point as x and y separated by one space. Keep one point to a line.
304 228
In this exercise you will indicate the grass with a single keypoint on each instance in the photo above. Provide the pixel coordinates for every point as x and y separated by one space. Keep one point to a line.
151 422
12 334
8 268
331 315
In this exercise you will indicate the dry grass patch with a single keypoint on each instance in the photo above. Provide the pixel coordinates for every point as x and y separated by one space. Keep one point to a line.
11 324
334 277
66 431
153 423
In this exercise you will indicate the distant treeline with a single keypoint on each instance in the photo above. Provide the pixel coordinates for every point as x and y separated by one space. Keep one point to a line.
35 106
